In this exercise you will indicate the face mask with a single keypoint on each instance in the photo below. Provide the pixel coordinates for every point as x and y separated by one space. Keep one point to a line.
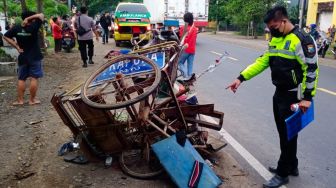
276 33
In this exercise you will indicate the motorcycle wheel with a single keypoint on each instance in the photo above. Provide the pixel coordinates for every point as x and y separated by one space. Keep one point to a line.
117 43
68 49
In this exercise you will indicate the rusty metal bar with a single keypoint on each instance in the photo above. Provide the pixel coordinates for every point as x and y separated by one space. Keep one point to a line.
167 125
158 128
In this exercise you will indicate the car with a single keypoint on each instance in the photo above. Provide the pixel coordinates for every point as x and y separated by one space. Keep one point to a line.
131 21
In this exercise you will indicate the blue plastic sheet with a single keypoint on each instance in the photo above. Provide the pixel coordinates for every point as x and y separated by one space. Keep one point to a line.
299 120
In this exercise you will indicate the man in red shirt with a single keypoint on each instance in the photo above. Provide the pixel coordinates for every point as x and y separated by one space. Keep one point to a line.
189 53
57 34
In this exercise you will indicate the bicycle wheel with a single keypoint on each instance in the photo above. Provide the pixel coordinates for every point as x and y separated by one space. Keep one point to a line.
121 82
139 161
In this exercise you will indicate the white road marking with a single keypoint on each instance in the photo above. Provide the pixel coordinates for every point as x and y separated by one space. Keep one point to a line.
219 54
216 53
327 91
232 58
263 172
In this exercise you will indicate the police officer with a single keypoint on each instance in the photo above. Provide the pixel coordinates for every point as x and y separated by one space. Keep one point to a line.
292 58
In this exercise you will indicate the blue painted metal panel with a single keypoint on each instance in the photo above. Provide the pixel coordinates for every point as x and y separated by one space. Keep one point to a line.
171 23
131 67
178 161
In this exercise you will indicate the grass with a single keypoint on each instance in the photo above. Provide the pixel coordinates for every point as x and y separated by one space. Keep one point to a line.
51 41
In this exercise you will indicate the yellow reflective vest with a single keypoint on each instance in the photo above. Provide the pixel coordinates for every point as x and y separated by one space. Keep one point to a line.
293 60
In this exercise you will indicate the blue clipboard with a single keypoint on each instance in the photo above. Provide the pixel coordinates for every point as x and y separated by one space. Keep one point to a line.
178 161
299 120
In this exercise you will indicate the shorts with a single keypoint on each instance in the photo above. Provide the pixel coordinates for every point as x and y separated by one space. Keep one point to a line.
31 69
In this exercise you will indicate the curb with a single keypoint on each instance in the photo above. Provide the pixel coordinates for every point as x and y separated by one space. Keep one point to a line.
8 68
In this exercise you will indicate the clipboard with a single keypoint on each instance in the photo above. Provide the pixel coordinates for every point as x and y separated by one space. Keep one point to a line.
298 121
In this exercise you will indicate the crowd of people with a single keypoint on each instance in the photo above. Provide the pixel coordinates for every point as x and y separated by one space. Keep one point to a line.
25 38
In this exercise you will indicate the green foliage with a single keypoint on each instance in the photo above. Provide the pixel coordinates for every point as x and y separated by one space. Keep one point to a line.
98 6
293 14
50 7
5 57
243 12
217 11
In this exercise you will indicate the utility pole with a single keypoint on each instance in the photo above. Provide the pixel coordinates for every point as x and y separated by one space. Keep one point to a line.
217 22
69 4
302 2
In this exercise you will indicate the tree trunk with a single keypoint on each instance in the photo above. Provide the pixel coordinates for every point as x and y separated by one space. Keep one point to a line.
23 5
39 6
5 8
41 31
255 35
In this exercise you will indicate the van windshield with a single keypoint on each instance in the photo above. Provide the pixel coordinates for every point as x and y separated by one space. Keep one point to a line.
132 9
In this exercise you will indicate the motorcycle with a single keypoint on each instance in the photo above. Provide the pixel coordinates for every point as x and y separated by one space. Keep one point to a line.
333 51
68 39
323 44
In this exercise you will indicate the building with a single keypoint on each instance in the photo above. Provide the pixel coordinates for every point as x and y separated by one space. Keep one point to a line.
322 13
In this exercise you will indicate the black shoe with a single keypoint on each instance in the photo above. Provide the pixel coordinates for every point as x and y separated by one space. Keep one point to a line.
294 172
84 65
276 181
90 61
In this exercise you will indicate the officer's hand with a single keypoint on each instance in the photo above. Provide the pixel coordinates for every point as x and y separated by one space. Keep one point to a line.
234 86
304 105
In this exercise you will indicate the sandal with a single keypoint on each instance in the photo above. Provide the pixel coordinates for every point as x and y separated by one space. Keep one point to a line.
75 158
35 102
16 103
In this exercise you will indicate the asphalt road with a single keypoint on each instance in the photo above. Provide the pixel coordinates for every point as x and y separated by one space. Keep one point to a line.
249 116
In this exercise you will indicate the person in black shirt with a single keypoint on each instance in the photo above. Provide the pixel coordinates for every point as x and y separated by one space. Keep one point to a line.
30 56
105 23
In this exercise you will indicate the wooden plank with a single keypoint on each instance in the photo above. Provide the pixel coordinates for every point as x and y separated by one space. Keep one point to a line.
204 123
190 110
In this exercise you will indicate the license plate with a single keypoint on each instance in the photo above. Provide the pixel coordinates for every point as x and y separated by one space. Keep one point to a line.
131 67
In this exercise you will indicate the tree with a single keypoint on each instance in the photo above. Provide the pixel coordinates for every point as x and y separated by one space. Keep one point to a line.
49 7
39 6
97 6
41 31
293 14
242 12
23 5
5 7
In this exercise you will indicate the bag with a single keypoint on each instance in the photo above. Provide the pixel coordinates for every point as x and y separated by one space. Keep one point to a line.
80 30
